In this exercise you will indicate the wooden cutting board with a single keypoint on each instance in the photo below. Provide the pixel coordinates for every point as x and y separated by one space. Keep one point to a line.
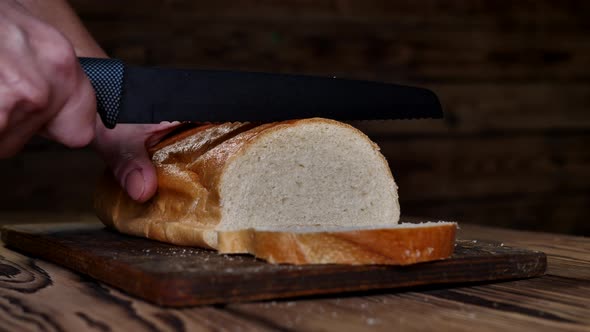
180 276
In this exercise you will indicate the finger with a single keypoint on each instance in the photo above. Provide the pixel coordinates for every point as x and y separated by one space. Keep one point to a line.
124 149
25 96
41 84
74 125
159 131
17 125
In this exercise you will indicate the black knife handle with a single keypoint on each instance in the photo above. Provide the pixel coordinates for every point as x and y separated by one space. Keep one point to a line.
106 76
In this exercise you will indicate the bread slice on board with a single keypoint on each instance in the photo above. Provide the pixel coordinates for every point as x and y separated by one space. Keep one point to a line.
319 185
402 244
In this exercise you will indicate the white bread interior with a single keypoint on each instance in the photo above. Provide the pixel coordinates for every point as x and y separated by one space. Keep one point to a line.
310 173
221 186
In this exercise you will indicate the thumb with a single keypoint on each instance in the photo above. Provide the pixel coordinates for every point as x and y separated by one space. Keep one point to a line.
124 149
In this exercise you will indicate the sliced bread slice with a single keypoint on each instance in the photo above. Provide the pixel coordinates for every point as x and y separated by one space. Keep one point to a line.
403 244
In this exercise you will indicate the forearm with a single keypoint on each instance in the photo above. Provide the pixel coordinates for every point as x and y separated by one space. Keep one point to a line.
59 14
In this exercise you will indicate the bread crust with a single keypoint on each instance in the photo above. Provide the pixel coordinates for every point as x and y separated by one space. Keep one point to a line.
390 246
186 208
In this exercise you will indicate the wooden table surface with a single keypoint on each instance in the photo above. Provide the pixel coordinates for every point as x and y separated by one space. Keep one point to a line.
40 296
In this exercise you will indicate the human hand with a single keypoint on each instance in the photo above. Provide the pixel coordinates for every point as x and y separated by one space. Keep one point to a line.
124 149
43 90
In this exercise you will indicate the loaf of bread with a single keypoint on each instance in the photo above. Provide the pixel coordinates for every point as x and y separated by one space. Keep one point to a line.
301 192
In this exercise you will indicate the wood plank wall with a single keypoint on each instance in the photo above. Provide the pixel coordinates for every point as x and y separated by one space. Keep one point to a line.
513 78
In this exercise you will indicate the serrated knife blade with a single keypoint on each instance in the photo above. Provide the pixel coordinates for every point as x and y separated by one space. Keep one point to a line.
134 94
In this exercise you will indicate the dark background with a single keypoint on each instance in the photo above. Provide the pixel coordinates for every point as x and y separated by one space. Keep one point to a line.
513 78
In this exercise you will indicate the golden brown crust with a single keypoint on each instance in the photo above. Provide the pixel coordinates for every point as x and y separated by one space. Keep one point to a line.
391 246
186 208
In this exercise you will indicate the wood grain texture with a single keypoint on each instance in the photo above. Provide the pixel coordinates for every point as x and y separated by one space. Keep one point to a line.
522 211
484 109
569 256
37 295
406 11
179 276
378 39
488 165
382 51
518 67
515 306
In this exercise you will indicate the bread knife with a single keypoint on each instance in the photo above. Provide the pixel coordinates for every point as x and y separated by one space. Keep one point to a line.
134 94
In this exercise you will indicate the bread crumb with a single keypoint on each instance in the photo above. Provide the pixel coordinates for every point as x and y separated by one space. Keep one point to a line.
372 321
